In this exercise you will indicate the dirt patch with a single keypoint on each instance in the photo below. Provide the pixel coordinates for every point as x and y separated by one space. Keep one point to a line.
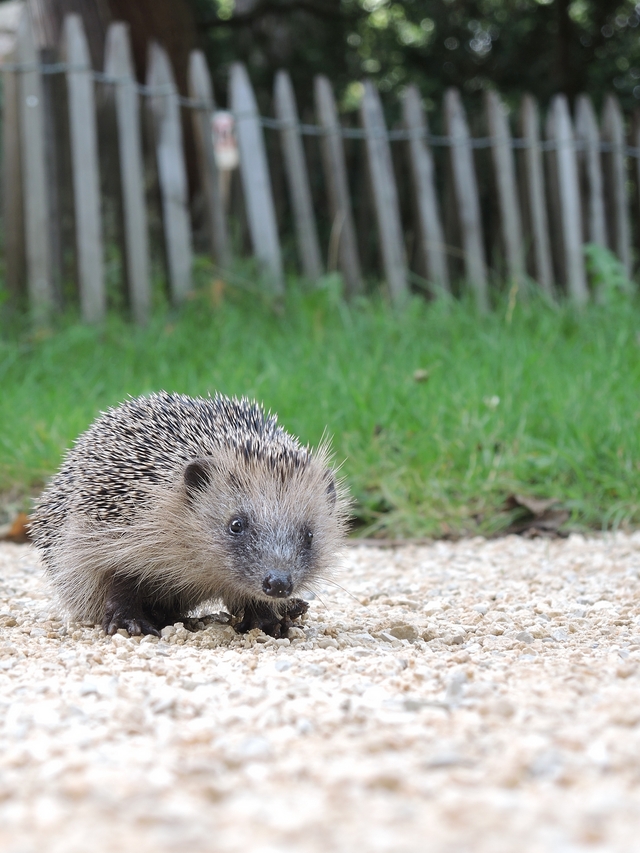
471 696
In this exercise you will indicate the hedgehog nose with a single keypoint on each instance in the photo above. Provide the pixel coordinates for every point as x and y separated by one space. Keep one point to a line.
277 585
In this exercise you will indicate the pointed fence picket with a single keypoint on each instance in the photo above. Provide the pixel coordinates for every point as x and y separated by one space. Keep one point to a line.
201 91
535 196
171 171
119 66
578 178
432 240
588 134
342 243
385 195
613 132
255 178
84 165
466 193
12 205
565 175
635 141
507 192
35 199
297 177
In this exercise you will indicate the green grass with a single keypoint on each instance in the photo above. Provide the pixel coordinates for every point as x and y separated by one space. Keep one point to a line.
532 399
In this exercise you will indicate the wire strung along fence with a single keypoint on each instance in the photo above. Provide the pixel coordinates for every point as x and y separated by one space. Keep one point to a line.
94 170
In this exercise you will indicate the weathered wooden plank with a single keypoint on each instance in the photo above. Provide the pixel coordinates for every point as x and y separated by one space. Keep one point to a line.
535 196
171 171
505 174
34 178
385 194
12 211
201 90
256 182
297 177
343 231
422 169
613 132
560 132
59 183
635 141
466 192
84 168
119 66
588 134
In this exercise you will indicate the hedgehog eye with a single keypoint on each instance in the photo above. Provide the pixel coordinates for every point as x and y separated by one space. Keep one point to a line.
307 537
237 525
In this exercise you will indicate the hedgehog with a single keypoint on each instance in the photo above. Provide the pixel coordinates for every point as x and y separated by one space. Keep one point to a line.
167 502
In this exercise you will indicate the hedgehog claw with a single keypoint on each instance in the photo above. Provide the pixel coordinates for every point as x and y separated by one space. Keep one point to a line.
257 615
297 607
135 627
126 609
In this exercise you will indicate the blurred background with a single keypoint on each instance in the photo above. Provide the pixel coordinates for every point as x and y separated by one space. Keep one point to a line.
516 46
416 224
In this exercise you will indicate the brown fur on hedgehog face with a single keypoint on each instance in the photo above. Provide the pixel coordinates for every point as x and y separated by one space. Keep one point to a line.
266 531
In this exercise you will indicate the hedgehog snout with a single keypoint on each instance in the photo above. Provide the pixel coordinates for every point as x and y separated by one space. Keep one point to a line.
278 584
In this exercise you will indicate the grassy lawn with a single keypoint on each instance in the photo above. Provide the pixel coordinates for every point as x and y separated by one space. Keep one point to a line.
437 414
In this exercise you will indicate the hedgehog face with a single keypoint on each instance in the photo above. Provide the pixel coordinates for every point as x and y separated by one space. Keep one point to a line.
270 531
270 558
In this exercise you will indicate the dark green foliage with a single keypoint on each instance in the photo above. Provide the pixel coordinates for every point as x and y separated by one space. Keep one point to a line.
516 46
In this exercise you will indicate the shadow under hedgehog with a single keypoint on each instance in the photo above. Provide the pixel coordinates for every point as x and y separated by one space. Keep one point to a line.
168 501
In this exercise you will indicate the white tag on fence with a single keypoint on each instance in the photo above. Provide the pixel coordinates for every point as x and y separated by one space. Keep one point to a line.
224 140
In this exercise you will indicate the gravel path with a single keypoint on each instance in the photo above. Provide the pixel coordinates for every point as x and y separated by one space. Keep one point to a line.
477 696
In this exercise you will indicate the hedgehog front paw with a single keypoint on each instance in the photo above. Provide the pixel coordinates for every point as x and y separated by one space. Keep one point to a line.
135 625
296 608
127 608
258 615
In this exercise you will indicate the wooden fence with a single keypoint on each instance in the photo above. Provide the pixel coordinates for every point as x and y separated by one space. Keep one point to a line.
94 171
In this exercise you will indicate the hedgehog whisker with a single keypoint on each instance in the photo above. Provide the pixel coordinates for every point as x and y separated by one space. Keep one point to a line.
320 599
336 584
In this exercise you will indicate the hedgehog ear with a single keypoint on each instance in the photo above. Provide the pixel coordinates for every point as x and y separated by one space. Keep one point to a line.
196 476
331 493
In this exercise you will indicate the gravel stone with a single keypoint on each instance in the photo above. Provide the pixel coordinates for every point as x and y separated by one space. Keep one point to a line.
404 632
524 637
483 695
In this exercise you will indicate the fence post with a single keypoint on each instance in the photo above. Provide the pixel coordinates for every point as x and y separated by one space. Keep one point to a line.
200 90
59 179
466 192
255 177
613 133
84 168
12 208
560 132
343 232
385 194
505 174
635 141
297 176
171 171
588 134
421 159
119 66
34 178
535 196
